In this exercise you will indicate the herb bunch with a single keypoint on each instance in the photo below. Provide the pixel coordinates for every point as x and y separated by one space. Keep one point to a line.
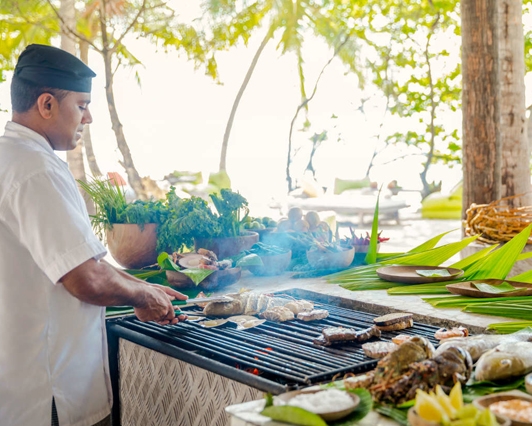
112 207
191 218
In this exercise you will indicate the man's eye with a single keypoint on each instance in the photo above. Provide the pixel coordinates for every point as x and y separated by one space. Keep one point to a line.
82 108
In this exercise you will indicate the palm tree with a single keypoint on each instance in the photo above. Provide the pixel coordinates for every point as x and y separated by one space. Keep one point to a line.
287 21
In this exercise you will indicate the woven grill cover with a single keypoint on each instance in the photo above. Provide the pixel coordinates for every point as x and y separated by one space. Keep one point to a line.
158 390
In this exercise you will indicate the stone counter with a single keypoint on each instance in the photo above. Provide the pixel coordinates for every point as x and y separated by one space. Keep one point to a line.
374 301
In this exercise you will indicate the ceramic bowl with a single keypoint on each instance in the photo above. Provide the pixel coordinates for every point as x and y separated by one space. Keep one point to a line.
341 259
273 264
227 246
329 415
486 401
133 246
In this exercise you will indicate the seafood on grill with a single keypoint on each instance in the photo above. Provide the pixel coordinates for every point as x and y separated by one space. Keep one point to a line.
505 361
245 303
401 338
278 314
478 344
411 366
394 321
333 335
448 333
315 314
298 306
378 350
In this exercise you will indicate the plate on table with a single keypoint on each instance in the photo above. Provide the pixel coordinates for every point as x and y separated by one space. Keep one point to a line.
418 274
469 288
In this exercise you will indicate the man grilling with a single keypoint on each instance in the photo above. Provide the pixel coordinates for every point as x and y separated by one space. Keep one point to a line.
53 281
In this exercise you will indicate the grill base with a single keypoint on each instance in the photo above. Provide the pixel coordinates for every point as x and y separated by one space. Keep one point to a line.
158 390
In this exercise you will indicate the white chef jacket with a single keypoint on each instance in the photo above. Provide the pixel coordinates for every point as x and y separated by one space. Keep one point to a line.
51 343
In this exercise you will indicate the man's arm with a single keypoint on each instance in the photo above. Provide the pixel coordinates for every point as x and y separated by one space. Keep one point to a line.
101 284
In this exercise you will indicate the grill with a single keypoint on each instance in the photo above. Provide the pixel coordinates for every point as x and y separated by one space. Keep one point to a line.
274 357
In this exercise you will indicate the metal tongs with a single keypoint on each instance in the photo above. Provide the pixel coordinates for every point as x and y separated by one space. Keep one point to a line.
199 300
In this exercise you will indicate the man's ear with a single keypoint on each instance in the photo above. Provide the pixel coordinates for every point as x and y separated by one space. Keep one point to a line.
46 104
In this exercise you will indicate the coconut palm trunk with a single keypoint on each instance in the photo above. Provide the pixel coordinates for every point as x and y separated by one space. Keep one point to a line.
515 177
247 78
480 103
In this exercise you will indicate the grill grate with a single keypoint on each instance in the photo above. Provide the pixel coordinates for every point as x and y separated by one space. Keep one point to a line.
280 352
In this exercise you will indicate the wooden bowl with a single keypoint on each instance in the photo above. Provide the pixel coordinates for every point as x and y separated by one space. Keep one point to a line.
216 280
274 264
487 400
131 246
414 419
330 415
341 259
227 246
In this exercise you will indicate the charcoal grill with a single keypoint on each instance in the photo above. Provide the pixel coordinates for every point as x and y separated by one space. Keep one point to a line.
274 357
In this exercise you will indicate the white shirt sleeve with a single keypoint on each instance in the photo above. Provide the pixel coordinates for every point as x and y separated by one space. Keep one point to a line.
47 214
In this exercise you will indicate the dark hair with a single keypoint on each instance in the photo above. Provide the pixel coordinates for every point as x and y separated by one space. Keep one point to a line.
24 95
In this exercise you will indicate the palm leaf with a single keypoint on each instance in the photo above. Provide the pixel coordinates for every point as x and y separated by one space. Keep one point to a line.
499 263
371 255
430 244
469 260
433 257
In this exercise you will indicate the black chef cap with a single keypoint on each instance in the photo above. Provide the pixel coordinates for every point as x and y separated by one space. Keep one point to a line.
48 66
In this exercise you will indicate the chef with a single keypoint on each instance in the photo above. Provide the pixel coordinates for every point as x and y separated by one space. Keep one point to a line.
54 284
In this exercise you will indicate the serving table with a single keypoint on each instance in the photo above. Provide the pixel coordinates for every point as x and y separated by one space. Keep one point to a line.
155 382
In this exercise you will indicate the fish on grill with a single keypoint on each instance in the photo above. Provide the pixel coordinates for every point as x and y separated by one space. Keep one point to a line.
247 303
313 315
278 314
332 335
299 306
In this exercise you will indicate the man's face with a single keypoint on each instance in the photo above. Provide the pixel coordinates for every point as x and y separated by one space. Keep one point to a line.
71 114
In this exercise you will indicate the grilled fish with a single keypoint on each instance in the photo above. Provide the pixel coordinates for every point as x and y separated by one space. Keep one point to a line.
505 361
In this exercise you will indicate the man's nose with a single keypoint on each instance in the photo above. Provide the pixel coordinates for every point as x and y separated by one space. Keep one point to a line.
87 116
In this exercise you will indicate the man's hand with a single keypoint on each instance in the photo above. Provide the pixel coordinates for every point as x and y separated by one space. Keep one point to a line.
157 305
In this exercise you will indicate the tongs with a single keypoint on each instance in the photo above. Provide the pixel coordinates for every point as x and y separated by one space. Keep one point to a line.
200 300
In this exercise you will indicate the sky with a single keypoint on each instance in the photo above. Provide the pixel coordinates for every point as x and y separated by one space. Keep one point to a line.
175 119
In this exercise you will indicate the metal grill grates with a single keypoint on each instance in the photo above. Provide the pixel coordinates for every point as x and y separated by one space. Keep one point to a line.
283 353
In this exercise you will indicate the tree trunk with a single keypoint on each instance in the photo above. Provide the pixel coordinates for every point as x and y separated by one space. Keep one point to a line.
480 103
68 43
86 138
515 173
132 174
229 125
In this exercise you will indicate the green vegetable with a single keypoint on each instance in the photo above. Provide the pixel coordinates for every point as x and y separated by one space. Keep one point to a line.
504 287
294 415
